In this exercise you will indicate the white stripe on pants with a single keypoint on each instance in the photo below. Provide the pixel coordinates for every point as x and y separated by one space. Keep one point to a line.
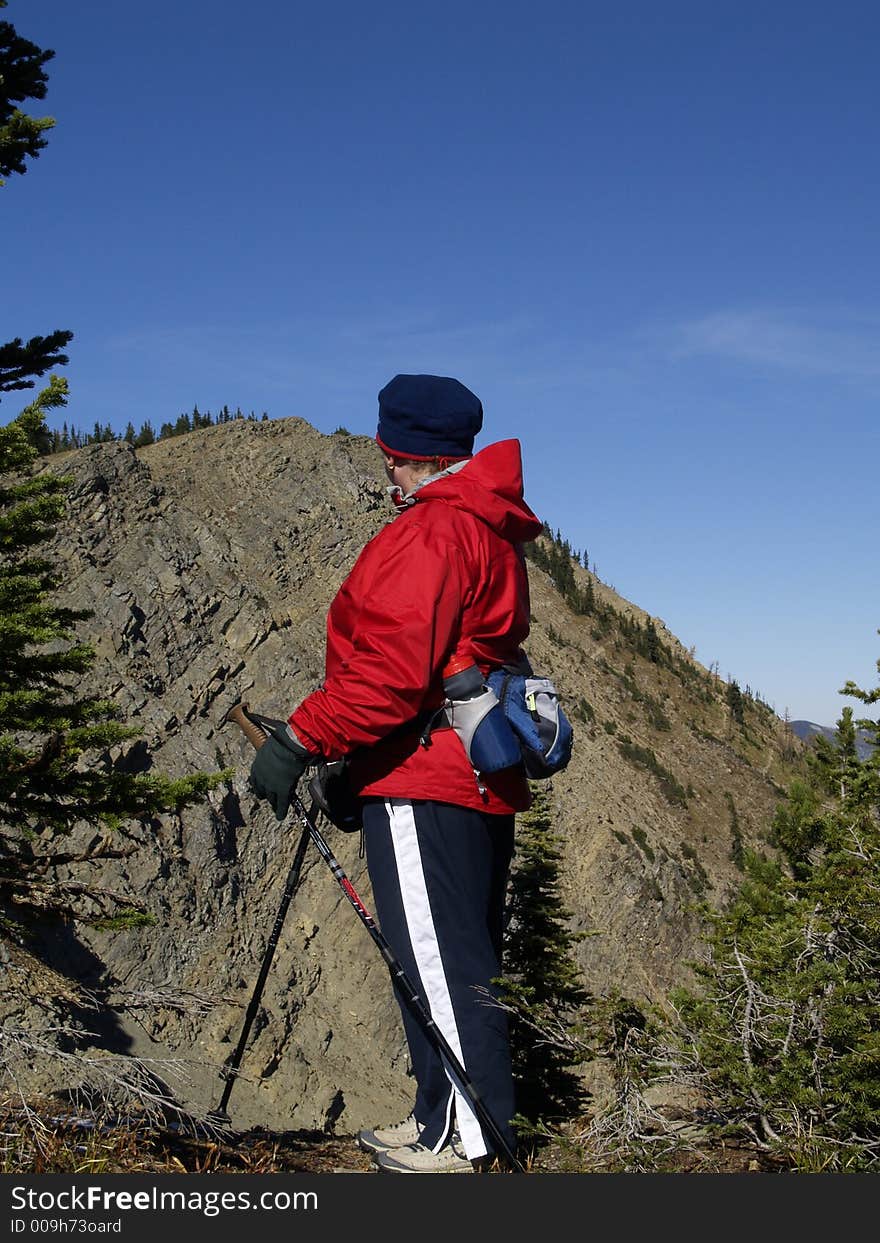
414 895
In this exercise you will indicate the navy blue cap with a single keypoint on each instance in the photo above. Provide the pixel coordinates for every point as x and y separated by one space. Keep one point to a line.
428 416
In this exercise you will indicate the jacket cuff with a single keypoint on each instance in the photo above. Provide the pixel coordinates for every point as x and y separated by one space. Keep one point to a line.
289 739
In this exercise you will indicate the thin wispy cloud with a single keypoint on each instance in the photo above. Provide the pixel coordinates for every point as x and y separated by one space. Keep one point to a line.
338 352
847 348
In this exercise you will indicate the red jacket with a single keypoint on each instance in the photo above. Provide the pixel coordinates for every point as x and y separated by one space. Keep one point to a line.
447 574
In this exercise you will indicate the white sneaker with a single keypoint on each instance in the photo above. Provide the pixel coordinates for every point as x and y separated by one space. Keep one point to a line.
395 1136
417 1159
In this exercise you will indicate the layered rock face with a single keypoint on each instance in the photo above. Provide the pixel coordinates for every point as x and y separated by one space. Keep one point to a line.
209 561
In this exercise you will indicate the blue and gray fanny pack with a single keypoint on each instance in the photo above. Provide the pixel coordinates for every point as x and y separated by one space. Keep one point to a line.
532 708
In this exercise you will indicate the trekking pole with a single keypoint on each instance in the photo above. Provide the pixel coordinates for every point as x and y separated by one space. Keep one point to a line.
255 730
230 1070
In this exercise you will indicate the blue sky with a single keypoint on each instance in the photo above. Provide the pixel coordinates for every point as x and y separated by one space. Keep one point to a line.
645 234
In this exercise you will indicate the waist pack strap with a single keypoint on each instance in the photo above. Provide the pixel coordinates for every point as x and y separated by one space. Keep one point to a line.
429 722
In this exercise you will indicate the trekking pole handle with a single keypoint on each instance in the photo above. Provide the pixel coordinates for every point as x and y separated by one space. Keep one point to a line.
255 735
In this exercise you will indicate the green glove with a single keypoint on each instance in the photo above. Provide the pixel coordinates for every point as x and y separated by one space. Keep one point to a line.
278 766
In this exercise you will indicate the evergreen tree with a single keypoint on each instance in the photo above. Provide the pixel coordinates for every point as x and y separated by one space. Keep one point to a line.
22 77
786 1021
55 772
541 985
652 641
834 764
735 702
199 419
797 827
146 436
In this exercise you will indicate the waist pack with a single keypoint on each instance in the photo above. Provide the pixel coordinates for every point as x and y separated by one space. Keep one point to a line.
515 719
532 709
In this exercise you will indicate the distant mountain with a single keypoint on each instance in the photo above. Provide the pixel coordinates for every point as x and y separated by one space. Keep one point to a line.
808 729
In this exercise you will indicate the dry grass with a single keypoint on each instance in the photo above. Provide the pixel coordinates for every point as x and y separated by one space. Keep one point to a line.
49 1138
46 1138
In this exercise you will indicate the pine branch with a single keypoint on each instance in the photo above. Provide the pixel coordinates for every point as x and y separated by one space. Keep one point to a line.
747 1037
20 360
55 897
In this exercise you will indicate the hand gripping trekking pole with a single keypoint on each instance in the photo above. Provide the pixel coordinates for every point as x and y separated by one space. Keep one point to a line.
255 730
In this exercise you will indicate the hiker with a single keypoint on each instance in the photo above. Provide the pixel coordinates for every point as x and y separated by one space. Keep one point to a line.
443 582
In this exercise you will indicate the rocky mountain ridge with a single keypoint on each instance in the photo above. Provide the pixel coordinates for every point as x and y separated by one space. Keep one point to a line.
209 561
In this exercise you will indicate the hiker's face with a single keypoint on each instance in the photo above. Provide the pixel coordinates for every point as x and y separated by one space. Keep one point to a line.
402 474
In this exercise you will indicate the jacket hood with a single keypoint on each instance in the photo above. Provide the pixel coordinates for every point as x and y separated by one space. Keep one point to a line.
490 486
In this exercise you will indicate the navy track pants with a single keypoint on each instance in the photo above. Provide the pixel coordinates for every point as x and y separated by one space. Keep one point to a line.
438 874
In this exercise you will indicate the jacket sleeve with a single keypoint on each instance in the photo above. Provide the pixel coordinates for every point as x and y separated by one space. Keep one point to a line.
401 628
